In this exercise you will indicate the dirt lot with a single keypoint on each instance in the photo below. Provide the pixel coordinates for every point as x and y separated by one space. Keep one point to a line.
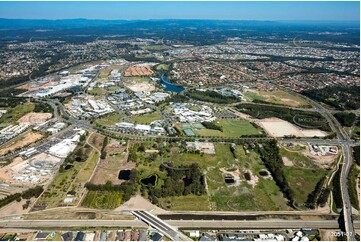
4 171
276 127
139 203
35 118
116 160
22 142
138 71
140 87
15 208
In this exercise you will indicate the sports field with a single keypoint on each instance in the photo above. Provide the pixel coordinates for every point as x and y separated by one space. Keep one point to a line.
231 128
145 119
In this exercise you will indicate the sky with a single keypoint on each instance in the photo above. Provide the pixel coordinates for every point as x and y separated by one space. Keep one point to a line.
183 10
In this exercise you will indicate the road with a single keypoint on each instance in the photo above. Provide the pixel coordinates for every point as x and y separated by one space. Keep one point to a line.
223 224
160 225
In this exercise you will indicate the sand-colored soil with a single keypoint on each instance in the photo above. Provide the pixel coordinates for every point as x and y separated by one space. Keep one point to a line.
15 208
138 71
139 203
140 87
35 118
4 171
276 127
20 143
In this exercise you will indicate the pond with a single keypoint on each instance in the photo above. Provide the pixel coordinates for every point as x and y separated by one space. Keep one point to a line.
124 174
263 173
169 86
247 176
149 180
67 167
229 179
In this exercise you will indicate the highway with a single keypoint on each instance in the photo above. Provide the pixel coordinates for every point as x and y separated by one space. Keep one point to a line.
160 225
221 224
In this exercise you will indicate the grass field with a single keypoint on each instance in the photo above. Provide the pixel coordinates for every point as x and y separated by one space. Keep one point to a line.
186 203
298 159
16 113
145 119
162 67
277 97
102 199
155 47
231 128
109 120
264 196
71 180
97 91
136 79
303 181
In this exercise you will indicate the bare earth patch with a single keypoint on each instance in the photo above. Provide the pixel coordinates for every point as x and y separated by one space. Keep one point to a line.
287 162
140 87
28 139
139 203
15 208
276 127
35 118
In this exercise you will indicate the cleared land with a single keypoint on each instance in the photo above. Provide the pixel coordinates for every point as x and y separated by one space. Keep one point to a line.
276 127
155 47
230 128
21 141
140 86
72 179
259 193
138 71
109 120
145 119
278 97
35 118
14 114
108 168
103 199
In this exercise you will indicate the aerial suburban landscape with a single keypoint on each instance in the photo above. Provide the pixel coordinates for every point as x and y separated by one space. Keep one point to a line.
179 129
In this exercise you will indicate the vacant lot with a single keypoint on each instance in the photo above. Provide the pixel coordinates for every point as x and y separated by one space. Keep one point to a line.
276 127
21 141
108 168
109 120
35 118
102 199
278 97
140 86
145 119
231 128
303 181
197 203
264 194
14 114
138 71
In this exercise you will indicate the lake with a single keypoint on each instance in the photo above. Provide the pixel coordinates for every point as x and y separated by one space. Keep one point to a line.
169 86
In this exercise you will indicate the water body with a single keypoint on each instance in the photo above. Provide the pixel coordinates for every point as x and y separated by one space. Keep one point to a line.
149 180
169 86
124 175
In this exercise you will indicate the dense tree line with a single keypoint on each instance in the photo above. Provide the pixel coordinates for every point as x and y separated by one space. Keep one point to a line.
340 97
212 125
301 118
345 119
336 188
269 153
356 154
103 153
27 194
322 199
352 184
43 108
127 188
179 182
312 199
210 96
